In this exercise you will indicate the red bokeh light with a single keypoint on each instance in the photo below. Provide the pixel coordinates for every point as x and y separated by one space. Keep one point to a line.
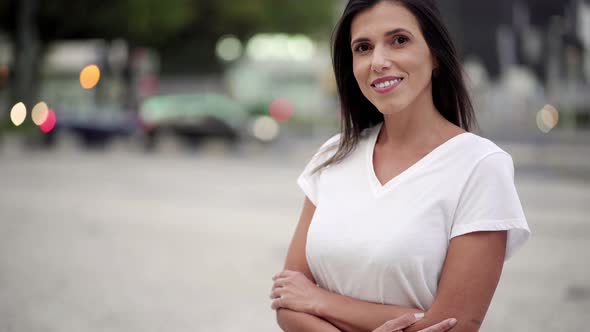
281 109
49 123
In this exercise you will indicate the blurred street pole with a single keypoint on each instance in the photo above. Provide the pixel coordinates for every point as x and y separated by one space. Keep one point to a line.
26 54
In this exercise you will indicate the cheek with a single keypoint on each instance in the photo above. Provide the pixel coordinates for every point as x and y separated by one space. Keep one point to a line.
420 64
357 70
361 69
412 62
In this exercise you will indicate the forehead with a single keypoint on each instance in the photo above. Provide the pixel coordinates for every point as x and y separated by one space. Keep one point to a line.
384 16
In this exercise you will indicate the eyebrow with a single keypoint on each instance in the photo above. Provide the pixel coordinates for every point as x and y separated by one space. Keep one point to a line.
387 34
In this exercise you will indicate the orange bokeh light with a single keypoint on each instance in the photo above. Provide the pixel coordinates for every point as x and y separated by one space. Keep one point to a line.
89 76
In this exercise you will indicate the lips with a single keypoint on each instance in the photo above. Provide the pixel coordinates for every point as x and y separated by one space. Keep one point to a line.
386 84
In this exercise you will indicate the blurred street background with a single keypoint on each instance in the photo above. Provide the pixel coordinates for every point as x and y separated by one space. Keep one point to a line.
149 151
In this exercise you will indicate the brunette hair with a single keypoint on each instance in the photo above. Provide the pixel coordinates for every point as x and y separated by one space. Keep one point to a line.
449 92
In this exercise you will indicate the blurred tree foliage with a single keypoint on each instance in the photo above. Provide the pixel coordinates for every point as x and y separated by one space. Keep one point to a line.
194 46
291 16
152 22
177 28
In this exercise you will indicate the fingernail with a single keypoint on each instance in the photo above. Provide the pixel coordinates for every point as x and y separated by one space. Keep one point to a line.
452 321
419 315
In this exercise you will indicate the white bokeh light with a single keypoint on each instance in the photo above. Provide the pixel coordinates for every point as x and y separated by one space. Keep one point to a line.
229 48
39 113
280 47
265 128
18 114
547 118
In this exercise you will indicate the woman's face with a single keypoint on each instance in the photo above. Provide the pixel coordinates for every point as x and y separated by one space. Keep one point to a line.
391 61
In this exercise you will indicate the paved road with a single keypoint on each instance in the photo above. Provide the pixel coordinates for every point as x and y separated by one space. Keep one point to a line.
123 241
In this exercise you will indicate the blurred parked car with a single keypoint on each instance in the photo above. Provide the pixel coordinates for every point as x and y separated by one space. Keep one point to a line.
192 117
93 126
102 111
291 67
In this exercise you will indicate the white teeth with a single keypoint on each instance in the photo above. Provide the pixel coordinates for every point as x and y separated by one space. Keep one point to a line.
388 83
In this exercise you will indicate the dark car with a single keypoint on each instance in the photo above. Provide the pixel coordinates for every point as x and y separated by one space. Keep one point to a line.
192 117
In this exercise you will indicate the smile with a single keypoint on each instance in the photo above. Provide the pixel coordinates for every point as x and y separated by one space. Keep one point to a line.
386 85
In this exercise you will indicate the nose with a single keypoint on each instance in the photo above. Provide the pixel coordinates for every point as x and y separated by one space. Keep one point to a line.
380 62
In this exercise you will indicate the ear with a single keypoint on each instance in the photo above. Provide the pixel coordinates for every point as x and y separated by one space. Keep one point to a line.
434 62
435 67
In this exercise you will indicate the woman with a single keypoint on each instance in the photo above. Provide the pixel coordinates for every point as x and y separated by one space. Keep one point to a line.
406 210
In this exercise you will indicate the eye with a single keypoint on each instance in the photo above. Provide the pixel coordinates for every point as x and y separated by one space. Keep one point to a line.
400 40
362 47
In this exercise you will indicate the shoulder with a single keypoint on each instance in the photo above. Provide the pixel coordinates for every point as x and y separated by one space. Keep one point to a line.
323 153
334 141
483 157
479 148
330 143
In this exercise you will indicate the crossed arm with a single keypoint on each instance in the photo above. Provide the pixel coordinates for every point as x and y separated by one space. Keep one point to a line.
469 278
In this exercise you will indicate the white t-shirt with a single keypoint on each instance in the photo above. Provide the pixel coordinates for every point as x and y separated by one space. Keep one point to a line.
387 243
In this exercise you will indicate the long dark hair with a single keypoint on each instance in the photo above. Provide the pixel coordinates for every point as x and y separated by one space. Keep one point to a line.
449 93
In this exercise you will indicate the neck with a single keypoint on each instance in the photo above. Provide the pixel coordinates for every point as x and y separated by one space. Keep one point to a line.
418 124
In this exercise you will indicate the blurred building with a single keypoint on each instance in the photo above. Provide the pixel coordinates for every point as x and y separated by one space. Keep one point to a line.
540 47
481 27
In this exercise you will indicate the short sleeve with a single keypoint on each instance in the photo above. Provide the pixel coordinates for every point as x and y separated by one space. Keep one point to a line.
308 180
489 202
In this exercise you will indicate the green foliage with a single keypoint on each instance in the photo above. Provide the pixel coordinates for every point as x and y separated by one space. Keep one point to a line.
148 22
152 22
291 16
183 31
145 21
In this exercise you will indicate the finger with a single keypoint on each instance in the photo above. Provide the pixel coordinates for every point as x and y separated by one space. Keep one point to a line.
443 326
385 328
282 274
399 323
278 303
274 304
275 293
278 284
286 274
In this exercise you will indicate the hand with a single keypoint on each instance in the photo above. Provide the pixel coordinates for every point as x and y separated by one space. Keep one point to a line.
397 325
293 290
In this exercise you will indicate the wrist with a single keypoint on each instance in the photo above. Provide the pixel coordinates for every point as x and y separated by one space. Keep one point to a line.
322 304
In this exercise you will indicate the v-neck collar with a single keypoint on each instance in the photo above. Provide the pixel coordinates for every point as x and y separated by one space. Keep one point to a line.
381 189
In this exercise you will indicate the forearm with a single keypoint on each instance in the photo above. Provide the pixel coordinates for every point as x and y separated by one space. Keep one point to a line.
464 324
354 315
293 321
469 279
428 320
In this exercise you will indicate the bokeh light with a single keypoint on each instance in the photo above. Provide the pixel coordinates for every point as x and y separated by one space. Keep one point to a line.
39 113
547 118
265 129
89 76
281 109
229 48
281 47
49 123
300 47
18 114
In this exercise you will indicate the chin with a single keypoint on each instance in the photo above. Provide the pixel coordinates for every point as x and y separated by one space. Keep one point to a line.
391 108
